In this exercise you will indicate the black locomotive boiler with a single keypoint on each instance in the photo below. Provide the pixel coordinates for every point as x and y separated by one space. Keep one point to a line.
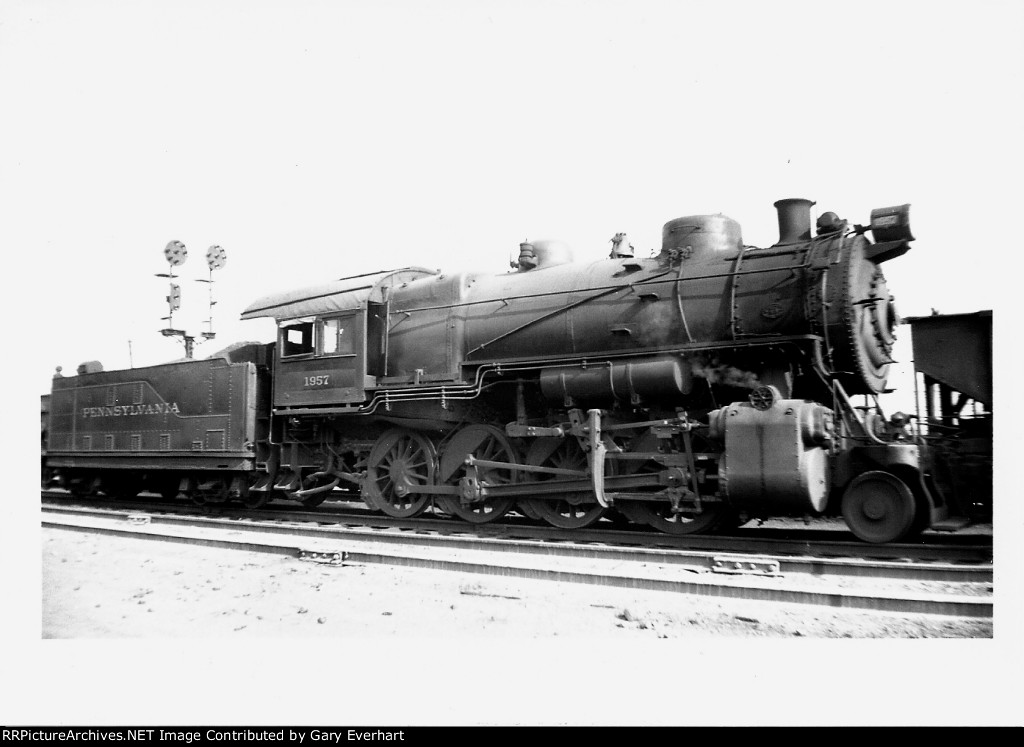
686 391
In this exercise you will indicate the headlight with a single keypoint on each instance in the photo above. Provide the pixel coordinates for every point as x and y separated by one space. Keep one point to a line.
891 223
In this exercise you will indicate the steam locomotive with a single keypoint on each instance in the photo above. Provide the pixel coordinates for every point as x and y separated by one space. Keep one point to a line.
687 391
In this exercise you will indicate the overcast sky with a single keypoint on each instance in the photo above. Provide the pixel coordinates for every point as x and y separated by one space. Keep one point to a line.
314 140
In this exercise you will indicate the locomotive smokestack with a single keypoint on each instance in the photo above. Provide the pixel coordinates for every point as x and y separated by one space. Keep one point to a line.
794 220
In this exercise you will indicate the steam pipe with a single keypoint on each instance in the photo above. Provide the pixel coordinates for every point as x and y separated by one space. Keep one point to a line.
313 491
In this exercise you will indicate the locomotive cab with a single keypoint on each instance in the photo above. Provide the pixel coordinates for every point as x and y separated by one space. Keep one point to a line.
332 339
321 360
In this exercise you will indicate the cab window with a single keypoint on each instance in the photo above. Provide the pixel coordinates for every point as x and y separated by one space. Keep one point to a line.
297 339
336 336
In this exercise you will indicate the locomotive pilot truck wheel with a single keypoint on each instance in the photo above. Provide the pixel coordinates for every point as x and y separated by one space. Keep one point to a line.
878 507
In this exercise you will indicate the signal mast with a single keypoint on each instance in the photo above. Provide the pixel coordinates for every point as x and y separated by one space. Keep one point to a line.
176 254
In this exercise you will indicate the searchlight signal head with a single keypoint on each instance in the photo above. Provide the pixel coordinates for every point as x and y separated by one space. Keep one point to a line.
176 253
216 257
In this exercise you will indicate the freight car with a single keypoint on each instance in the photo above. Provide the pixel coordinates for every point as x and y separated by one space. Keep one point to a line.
956 394
685 391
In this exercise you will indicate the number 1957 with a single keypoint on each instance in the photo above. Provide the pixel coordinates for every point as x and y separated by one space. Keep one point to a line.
317 380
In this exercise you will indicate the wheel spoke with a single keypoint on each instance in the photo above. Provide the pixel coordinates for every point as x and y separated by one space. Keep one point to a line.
582 510
482 442
490 449
400 459
659 515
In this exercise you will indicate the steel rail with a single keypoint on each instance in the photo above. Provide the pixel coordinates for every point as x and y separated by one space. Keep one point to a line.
802 542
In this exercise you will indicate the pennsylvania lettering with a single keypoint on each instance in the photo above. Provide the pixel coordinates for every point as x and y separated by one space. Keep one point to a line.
161 408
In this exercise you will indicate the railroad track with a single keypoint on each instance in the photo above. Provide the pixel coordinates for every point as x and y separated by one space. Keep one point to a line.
813 540
901 586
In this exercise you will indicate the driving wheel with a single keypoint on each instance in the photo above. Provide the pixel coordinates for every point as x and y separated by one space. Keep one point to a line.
399 462
659 515
481 442
571 510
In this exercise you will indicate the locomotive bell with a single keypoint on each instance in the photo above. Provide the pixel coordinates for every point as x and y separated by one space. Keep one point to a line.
829 223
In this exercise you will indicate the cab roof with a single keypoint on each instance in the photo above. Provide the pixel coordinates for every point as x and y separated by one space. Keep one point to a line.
346 294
